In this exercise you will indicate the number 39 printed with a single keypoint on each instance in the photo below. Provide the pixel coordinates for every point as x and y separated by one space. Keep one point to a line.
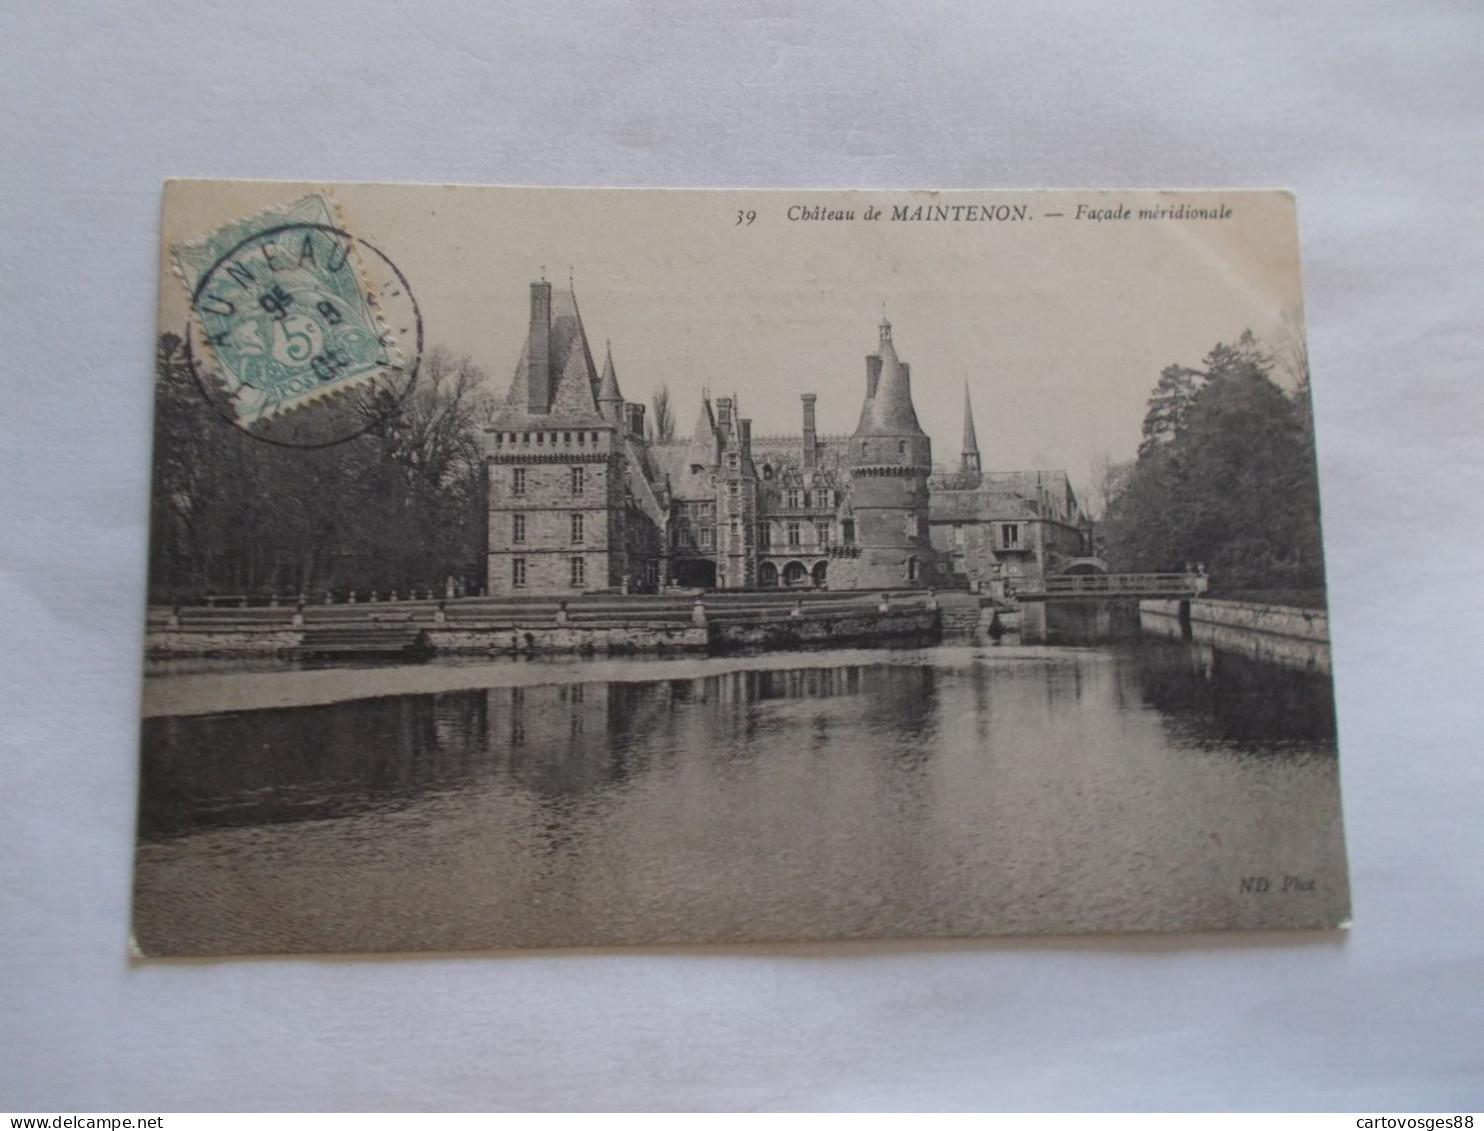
745 218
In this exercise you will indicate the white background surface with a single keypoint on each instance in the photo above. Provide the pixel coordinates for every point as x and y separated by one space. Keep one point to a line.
1373 113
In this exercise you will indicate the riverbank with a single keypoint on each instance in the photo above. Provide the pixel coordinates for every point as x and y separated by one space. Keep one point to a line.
1282 634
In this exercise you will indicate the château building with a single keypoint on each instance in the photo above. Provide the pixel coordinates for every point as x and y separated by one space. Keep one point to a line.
581 500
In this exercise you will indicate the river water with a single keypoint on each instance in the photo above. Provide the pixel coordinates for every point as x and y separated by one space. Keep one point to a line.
954 790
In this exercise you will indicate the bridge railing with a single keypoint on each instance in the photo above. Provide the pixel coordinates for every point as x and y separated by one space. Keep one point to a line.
1113 585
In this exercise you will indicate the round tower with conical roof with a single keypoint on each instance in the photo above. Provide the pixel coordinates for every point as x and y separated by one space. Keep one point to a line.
890 459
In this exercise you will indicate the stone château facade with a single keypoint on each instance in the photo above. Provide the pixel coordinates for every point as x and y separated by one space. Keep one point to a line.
580 500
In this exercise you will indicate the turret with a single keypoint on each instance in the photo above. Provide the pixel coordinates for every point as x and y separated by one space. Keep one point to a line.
888 432
890 460
610 400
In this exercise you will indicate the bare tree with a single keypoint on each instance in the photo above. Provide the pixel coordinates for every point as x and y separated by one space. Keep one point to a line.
662 422
1109 476
1291 363
1291 349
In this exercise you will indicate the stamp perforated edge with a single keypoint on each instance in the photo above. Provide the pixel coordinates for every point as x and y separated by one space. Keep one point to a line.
266 219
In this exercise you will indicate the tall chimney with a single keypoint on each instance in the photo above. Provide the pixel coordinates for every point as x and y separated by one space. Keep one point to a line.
744 433
538 350
811 439
873 374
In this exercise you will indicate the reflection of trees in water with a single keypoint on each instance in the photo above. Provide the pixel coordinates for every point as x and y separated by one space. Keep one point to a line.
558 741
262 767
1212 697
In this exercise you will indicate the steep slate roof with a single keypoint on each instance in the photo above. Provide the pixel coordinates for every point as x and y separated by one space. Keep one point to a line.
574 376
1004 494
890 411
702 448
675 460
639 486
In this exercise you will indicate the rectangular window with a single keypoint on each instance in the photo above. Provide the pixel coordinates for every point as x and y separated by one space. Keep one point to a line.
733 461
764 536
793 499
736 532
517 481
808 500
705 538
822 531
566 437
824 498
847 531
1010 535
579 572
793 533
958 534
517 528
517 573
579 480
577 527
736 490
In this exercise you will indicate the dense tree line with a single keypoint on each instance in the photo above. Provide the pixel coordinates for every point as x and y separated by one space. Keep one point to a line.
396 508
1225 476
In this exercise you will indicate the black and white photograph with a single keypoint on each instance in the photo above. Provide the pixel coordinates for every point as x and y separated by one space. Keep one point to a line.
568 568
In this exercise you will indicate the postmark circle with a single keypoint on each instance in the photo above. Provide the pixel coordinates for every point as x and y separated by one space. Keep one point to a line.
331 358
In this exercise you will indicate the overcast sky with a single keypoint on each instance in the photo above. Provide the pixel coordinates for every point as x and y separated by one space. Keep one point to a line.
1060 326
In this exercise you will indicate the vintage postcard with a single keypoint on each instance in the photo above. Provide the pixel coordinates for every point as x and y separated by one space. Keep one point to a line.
558 567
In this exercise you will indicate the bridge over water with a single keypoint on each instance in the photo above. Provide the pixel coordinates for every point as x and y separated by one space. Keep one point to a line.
1102 586
1093 606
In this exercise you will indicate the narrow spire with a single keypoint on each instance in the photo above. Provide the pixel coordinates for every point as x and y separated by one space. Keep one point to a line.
970 458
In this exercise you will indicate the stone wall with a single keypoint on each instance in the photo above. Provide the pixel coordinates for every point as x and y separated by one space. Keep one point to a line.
1277 620
963 614
856 627
1282 620
503 639
848 623
1281 634
244 640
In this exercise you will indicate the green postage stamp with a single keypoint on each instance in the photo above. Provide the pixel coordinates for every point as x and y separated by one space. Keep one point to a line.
282 308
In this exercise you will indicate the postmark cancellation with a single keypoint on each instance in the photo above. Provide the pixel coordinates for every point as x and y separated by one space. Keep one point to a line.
282 313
